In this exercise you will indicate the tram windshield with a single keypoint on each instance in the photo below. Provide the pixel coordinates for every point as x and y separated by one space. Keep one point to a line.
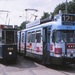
64 36
9 37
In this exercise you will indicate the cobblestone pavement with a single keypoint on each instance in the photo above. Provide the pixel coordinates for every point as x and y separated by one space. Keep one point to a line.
27 66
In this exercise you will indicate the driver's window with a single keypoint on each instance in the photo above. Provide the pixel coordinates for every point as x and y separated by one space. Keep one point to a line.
53 37
9 37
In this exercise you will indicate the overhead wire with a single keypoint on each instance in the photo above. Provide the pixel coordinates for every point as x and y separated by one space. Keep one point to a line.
5 4
40 3
37 6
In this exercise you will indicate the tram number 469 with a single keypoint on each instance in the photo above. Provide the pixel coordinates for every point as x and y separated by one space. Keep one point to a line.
67 18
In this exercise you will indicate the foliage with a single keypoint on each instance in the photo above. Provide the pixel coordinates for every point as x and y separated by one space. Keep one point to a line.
62 7
71 7
73 0
23 25
46 15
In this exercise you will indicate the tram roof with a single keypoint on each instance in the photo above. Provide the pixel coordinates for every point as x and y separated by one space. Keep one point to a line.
60 21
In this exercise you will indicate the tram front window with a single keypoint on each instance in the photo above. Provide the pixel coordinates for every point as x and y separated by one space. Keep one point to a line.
9 37
65 36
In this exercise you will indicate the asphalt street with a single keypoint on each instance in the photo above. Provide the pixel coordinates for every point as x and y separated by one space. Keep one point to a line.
28 66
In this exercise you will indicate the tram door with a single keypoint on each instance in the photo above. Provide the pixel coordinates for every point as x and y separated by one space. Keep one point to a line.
25 42
46 45
19 41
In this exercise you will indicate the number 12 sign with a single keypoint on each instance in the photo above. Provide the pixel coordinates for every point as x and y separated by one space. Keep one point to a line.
68 18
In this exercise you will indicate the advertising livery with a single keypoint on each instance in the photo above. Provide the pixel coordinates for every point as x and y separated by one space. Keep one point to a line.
50 40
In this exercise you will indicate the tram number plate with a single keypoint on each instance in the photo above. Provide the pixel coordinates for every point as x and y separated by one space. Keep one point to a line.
68 18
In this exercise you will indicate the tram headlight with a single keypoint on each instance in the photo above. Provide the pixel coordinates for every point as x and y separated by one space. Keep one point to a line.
10 53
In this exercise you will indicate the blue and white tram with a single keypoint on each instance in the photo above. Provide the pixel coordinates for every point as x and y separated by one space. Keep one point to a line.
8 42
52 41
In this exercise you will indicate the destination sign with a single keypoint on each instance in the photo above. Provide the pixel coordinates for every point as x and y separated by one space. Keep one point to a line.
68 18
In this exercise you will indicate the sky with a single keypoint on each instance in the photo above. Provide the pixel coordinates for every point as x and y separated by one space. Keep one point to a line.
15 12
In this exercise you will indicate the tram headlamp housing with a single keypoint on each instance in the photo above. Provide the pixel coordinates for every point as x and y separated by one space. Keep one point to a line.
10 53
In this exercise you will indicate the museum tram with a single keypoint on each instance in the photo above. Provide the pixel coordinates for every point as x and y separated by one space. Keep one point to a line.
8 42
49 40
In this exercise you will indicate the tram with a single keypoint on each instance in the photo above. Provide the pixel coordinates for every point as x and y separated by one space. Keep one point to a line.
8 42
51 40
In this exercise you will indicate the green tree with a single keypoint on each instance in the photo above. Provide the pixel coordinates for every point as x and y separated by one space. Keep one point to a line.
71 7
46 15
62 7
73 0
23 25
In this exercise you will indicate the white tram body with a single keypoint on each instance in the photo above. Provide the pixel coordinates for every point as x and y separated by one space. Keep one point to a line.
50 42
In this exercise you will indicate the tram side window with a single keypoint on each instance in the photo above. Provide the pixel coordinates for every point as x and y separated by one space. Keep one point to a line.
9 37
23 37
53 38
19 37
38 37
29 37
33 38
74 36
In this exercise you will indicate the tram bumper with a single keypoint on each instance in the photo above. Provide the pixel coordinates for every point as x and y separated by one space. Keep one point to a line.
68 60
62 60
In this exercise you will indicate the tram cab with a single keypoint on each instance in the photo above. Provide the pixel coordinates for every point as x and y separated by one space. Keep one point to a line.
63 39
8 42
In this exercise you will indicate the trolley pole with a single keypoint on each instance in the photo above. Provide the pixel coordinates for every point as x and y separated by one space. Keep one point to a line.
66 6
31 10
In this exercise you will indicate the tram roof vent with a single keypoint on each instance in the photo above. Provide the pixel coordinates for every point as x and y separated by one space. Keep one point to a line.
34 23
38 22
46 20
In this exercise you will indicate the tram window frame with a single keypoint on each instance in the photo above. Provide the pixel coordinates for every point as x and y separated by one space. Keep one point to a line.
29 37
9 38
38 36
33 37
22 37
49 32
53 37
16 37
